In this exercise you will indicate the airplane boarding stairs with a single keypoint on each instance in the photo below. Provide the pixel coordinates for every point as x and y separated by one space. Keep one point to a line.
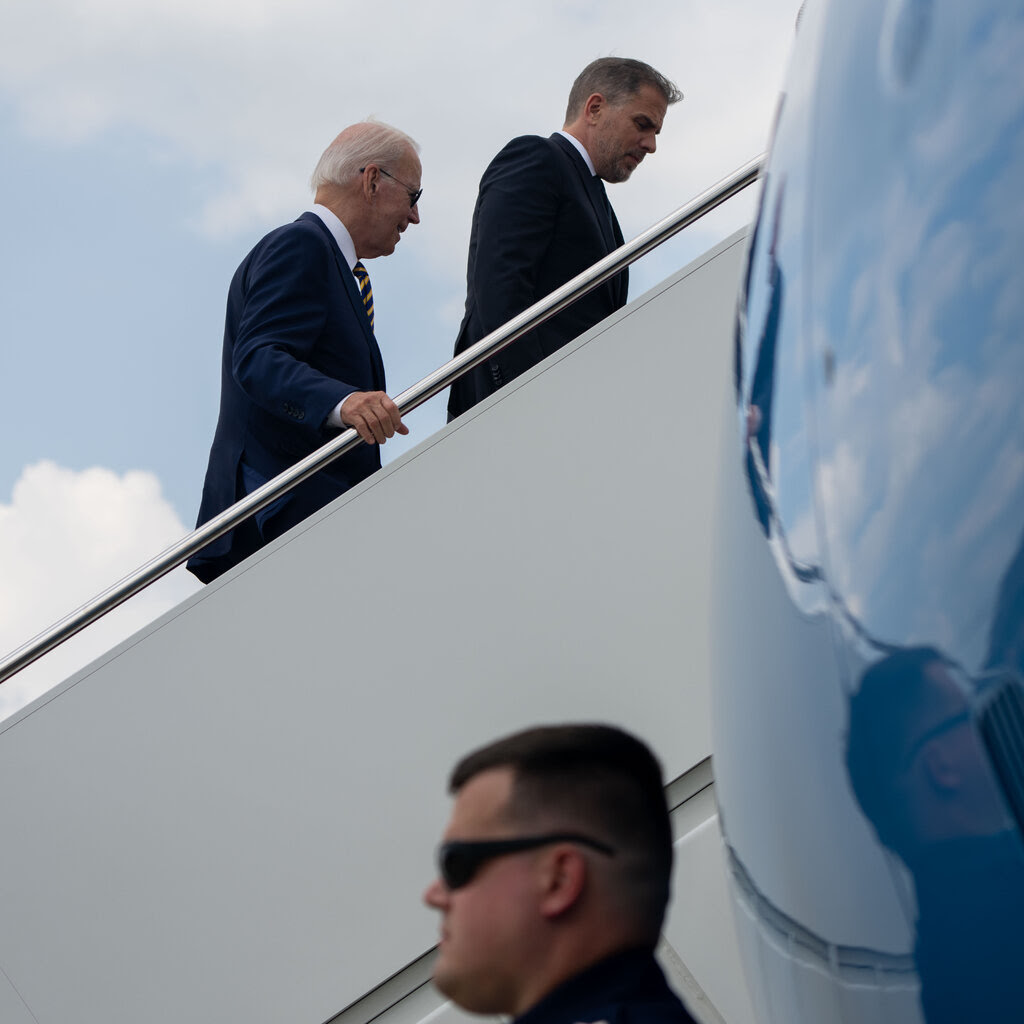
231 816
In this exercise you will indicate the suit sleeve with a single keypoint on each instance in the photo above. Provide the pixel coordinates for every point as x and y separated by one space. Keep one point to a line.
518 206
286 294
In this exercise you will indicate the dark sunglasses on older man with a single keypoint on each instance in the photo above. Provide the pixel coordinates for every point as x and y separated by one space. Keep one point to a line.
459 860
414 193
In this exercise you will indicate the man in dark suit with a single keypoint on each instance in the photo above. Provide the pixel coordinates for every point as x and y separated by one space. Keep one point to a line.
553 878
300 362
542 217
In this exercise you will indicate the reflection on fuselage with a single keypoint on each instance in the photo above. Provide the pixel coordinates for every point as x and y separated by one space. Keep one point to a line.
924 779
869 704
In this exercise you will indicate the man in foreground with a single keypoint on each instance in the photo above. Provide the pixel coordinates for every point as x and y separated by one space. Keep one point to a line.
542 217
554 877
300 361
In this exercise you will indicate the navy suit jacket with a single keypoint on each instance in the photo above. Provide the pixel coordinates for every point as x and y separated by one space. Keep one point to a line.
296 341
541 218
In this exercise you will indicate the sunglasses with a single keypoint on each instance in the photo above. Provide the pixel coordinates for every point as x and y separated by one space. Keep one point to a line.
414 193
459 860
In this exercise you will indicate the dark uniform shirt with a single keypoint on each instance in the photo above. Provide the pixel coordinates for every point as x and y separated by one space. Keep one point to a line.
627 988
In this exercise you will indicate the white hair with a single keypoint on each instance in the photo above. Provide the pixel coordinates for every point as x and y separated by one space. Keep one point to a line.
369 142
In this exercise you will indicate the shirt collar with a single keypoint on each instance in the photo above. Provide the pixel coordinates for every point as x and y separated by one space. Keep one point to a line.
338 231
581 149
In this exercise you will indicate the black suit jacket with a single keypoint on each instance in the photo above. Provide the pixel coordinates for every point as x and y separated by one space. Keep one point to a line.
626 988
296 342
541 218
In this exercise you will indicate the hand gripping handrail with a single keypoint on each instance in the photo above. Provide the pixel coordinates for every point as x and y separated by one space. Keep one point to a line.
408 400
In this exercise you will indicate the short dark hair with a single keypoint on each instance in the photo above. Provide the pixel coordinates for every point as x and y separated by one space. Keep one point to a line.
894 695
599 779
616 79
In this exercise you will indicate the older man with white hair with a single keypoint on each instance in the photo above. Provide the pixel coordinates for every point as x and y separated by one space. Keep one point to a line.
300 361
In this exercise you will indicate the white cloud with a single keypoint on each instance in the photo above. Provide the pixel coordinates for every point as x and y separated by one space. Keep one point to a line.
65 537
254 91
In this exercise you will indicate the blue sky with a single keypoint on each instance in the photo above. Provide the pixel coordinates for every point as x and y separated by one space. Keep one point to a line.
148 144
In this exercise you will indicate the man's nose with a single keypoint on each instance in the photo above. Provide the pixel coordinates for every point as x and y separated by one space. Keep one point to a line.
650 142
435 895
414 214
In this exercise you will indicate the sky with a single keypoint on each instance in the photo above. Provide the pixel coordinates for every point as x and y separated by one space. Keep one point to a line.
147 145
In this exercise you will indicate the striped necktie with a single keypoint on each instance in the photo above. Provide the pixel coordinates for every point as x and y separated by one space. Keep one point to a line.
365 289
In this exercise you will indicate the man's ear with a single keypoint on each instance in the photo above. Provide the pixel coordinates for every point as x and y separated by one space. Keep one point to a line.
371 179
943 770
594 107
564 875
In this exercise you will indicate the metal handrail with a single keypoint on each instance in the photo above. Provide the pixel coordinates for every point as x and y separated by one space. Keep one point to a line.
538 313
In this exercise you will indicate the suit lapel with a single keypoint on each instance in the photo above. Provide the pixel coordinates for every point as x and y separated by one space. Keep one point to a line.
609 226
592 186
351 289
